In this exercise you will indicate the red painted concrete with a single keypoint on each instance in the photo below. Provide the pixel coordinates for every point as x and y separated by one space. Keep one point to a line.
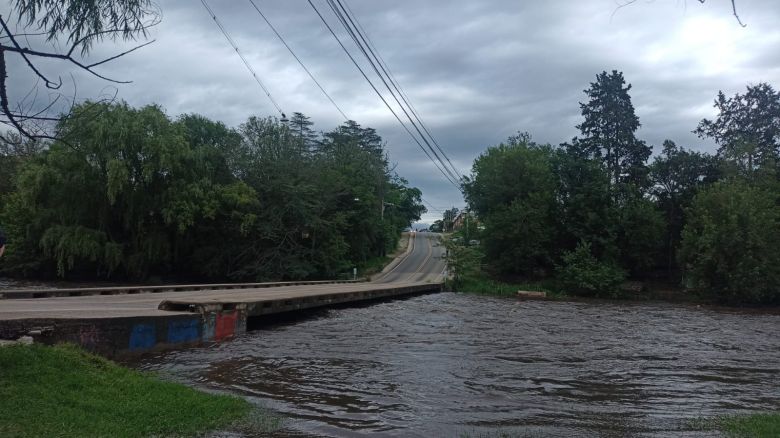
226 325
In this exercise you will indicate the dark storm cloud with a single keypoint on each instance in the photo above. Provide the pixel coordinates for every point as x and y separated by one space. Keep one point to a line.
476 71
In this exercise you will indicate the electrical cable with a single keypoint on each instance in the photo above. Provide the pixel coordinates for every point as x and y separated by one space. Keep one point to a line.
298 59
386 69
333 33
343 20
241 55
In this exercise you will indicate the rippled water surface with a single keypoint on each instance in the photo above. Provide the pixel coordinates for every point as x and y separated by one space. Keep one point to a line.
445 364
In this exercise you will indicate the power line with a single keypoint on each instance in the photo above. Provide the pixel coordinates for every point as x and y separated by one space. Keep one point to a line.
298 59
438 210
332 32
352 30
358 28
400 89
394 81
241 55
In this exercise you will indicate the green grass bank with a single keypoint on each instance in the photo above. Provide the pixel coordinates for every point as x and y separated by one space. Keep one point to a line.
65 392
483 285
764 425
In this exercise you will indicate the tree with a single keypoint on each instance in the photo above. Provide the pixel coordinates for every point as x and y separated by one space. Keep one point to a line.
677 175
747 128
301 125
79 25
609 131
134 194
731 244
463 261
733 9
448 218
640 232
14 151
124 197
585 209
512 191
351 132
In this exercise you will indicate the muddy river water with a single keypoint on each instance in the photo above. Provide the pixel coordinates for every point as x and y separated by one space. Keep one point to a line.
448 364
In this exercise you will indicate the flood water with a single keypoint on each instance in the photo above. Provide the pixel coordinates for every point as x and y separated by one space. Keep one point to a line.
447 364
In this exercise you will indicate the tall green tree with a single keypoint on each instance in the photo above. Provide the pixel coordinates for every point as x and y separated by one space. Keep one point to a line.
747 128
448 218
512 191
119 197
585 210
134 194
608 131
301 125
677 175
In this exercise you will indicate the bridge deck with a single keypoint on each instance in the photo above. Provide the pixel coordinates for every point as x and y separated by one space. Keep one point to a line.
135 319
117 306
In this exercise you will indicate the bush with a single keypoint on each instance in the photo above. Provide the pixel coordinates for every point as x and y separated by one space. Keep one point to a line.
462 261
582 274
731 244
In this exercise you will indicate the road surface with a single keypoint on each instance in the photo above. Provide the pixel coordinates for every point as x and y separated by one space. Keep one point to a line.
422 265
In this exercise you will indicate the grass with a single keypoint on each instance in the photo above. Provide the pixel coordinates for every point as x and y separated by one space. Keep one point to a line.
486 286
377 264
763 425
65 392
751 426
500 434
373 266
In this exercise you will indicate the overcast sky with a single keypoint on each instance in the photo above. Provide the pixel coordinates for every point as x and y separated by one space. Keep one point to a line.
476 71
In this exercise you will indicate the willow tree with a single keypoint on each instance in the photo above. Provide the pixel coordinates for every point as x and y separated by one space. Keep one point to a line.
125 197
40 33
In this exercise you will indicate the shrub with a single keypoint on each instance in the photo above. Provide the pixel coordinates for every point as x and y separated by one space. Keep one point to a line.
731 244
582 274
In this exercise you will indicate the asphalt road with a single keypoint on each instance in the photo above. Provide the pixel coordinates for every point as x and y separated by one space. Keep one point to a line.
424 262
421 265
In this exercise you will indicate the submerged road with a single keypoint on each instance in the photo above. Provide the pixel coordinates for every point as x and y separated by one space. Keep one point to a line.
420 269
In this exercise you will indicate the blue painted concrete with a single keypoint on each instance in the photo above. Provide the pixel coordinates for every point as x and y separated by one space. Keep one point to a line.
209 326
183 331
142 337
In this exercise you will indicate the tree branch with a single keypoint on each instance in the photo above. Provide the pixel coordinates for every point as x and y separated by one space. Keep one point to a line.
49 84
4 96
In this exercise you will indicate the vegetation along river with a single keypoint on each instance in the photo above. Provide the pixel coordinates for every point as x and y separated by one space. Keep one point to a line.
452 364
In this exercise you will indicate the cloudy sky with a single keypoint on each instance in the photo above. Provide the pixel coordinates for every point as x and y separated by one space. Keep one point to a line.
476 71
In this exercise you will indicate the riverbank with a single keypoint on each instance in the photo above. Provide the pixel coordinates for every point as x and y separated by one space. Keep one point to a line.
63 391
758 426
630 291
763 425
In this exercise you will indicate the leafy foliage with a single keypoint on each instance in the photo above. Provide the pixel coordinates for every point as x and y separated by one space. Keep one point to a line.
463 261
594 212
731 243
86 20
512 192
580 273
747 128
609 128
135 194
677 174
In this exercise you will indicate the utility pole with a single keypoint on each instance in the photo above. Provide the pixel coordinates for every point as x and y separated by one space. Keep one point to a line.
467 227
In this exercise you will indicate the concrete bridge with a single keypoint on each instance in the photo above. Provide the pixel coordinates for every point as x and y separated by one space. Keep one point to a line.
118 320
